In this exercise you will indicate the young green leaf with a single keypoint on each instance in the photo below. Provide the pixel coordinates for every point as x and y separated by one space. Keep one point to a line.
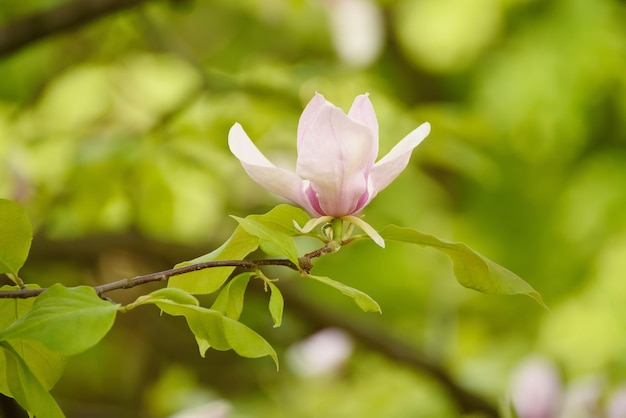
205 324
237 247
212 329
46 365
282 219
206 281
272 241
246 342
276 304
364 301
472 270
230 300
66 321
170 293
12 309
15 237
25 388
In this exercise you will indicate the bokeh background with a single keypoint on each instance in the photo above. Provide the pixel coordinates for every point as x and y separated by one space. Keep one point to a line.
113 135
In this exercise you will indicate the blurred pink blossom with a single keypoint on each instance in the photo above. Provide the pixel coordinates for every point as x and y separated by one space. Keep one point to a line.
357 28
536 389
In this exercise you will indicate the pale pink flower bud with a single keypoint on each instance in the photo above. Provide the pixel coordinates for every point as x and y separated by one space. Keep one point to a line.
336 174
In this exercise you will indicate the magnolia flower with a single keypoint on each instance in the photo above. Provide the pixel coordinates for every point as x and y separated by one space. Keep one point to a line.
336 174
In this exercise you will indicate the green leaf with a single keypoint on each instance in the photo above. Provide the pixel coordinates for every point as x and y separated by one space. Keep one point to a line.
272 241
282 219
276 304
206 281
173 294
246 342
12 309
205 324
472 270
66 321
237 247
16 235
230 300
46 365
25 388
213 330
364 301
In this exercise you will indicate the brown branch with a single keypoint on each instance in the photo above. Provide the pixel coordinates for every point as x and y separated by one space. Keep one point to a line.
250 265
374 337
160 276
26 30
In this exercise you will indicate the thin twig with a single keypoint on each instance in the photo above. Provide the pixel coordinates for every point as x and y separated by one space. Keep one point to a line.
372 335
250 265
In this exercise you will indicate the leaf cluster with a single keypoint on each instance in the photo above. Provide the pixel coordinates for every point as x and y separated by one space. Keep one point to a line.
38 335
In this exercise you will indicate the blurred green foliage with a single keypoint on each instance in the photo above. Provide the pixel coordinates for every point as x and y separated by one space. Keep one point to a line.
118 129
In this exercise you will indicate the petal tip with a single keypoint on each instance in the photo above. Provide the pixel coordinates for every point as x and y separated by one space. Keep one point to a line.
367 228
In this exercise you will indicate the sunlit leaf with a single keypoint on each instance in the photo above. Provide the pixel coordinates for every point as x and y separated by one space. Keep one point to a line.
246 342
472 270
46 365
205 281
271 240
173 294
237 247
24 386
230 300
214 330
15 236
364 301
282 219
205 324
12 309
276 304
65 320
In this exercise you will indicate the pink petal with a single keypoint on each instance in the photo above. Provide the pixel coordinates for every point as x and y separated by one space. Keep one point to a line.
391 165
363 111
309 114
334 154
277 180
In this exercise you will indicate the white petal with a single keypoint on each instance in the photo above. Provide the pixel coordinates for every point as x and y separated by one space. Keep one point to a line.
334 155
312 223
363 111
277 180
367 228
391 165
309 114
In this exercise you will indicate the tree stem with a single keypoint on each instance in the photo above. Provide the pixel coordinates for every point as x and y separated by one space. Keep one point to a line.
250 265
